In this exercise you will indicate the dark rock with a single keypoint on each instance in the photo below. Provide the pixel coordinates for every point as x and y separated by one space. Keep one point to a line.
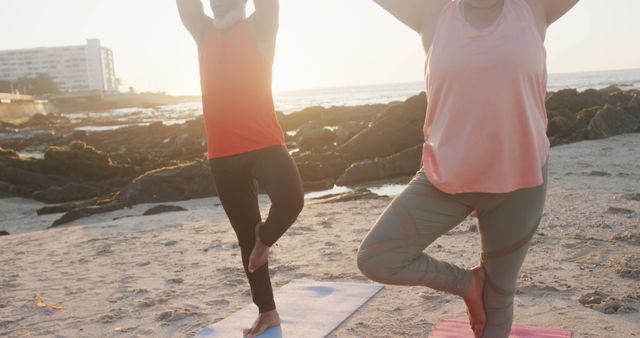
560 125
317 167
80 161
612 89
575 101
632 197
8 154
79 213
27 182
399 128
612 121
318 185
402 164
4 233
597 173
586 115
628 267
557 141
346 197
619 211
6 189
67 193
591 298
347 130
633 108
55 209
160 209
311 136
332 116
182 182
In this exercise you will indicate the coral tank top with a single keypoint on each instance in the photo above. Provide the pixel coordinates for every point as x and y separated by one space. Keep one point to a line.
486 122
237 101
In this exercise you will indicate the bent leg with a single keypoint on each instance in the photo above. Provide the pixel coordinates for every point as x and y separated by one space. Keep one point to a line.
278 173
239 196
391 253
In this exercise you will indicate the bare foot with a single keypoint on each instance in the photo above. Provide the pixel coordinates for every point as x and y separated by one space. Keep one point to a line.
264 321
260 253
475 302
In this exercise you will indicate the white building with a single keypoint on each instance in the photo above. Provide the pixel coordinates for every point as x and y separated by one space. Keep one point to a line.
73 68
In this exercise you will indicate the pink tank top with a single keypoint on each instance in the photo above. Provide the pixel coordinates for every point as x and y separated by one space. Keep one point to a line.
486 122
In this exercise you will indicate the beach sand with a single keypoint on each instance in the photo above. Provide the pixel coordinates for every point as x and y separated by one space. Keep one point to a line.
170 275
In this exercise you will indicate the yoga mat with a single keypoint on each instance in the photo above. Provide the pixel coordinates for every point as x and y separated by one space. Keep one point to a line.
307 309
450 328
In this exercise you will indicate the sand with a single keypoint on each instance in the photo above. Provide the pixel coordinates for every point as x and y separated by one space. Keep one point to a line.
169 275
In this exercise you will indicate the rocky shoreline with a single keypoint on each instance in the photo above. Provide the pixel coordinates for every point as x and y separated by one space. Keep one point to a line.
86 172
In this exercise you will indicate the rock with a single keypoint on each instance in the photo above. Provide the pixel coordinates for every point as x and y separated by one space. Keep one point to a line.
82 212
633 108
559 126
612 121
591 298
619 211
611 89
586 115
318 185
357 195
27 182
81 161
159 209
333 116
575 101
311 136
55 209
347 130
628 267
316 167
6 189
8 154
632 197
182 182
397 129
402 164
68 193
4 233
597 173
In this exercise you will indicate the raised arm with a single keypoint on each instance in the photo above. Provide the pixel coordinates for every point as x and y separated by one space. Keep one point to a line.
410 12
267 14
266 22
555 9
193 18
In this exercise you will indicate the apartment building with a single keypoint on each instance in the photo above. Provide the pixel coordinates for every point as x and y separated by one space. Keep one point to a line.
73 68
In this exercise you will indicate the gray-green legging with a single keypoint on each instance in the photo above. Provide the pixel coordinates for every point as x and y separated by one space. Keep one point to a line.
392 252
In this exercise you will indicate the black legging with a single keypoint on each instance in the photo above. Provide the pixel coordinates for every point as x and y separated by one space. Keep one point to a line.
237 178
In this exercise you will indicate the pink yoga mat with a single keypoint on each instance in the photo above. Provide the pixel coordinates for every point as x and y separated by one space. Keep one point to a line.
451 328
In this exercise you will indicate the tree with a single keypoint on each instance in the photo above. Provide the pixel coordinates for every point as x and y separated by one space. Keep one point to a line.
5 86
38 85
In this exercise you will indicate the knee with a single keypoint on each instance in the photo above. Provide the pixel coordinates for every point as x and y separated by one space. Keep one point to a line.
375 266
291 207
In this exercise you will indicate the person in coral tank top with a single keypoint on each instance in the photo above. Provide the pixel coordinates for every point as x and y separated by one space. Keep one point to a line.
244 140
485 149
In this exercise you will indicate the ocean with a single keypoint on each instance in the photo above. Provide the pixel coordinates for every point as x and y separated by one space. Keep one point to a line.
293 101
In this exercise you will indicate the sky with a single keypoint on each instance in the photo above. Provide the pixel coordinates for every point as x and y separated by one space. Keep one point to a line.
321 43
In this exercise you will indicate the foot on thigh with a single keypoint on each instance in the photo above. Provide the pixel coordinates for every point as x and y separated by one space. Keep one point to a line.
265 321
475 303
260 253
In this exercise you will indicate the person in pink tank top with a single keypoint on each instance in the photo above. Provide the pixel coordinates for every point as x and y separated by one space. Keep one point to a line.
245 144
485 150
